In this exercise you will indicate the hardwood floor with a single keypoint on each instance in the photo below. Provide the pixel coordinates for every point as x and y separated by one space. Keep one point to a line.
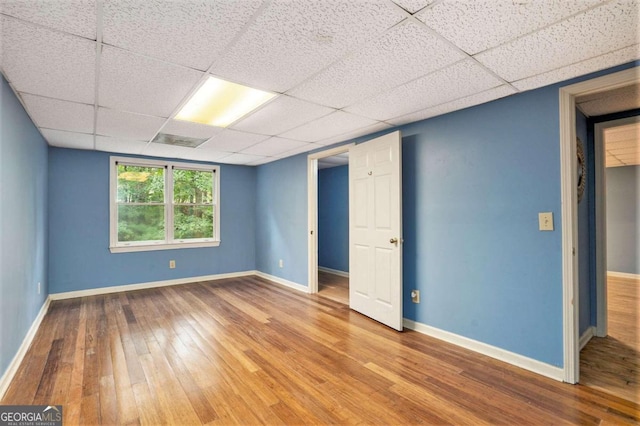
333 287
612 363
246 351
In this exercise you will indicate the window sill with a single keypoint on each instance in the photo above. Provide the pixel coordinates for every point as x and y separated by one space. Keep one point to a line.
153 247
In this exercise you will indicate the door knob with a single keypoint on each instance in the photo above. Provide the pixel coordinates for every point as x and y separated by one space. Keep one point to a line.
393 241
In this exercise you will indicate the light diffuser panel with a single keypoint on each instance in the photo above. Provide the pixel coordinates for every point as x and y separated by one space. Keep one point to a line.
220 103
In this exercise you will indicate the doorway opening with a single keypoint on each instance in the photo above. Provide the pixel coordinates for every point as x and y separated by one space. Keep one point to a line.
569 219
333 227
328 216
611 361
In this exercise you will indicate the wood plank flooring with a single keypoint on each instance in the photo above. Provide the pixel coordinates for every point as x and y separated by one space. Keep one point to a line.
612 363
333 287
247 351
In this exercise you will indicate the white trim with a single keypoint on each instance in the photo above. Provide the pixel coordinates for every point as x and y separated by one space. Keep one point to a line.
312 210
512 358
625 275
162 246
333 271
570 300
586 336
151 284
12 369
569 217
282 281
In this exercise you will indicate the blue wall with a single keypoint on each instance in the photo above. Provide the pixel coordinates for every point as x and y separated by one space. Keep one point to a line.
623 219
333 218
473 184
281 219
23 224
79 229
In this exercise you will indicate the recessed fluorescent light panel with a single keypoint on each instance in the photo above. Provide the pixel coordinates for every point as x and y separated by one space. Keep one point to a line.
167 139
220 103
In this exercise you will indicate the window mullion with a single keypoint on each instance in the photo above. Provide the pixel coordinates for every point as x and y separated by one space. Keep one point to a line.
169 204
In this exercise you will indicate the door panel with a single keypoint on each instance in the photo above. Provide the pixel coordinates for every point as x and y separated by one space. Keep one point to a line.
375 230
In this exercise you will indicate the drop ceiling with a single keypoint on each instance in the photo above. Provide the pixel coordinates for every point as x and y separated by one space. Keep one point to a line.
622 145
110 75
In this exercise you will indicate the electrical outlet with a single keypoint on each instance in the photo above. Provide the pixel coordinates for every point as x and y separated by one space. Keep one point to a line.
172 264
39 288
415 296
281 263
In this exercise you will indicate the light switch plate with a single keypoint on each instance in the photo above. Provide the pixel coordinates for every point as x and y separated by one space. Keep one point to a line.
546 221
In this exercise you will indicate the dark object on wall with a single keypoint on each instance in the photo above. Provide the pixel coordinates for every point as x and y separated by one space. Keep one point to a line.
582 169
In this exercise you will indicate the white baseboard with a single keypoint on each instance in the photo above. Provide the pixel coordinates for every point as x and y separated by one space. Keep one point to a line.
8 375
334 271
586 336
518 360
283 282
152 284
625 275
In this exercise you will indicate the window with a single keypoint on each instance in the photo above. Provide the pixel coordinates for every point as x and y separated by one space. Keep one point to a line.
158 205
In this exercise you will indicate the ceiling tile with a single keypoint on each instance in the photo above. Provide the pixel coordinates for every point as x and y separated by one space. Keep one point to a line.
621 99
242 159
308 148
412 49
281 114
626 133
275 146
60 115
191 130
460 80
121 145
328 126
292 40
475 26
139 84
187 32
377 127
72 16
127 125
412 6
171 151
587 35
260 161
64 139
466 102
47 63
232 141
601 62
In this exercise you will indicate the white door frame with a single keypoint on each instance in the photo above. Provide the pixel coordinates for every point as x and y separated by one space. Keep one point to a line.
570 307
601 220
312 209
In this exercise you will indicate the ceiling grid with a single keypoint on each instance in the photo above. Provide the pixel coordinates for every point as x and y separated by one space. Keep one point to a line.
111 75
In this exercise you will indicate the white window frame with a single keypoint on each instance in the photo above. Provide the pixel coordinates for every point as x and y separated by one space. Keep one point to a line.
169 243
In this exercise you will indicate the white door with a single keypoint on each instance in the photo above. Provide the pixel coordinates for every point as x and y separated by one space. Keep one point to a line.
375 229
